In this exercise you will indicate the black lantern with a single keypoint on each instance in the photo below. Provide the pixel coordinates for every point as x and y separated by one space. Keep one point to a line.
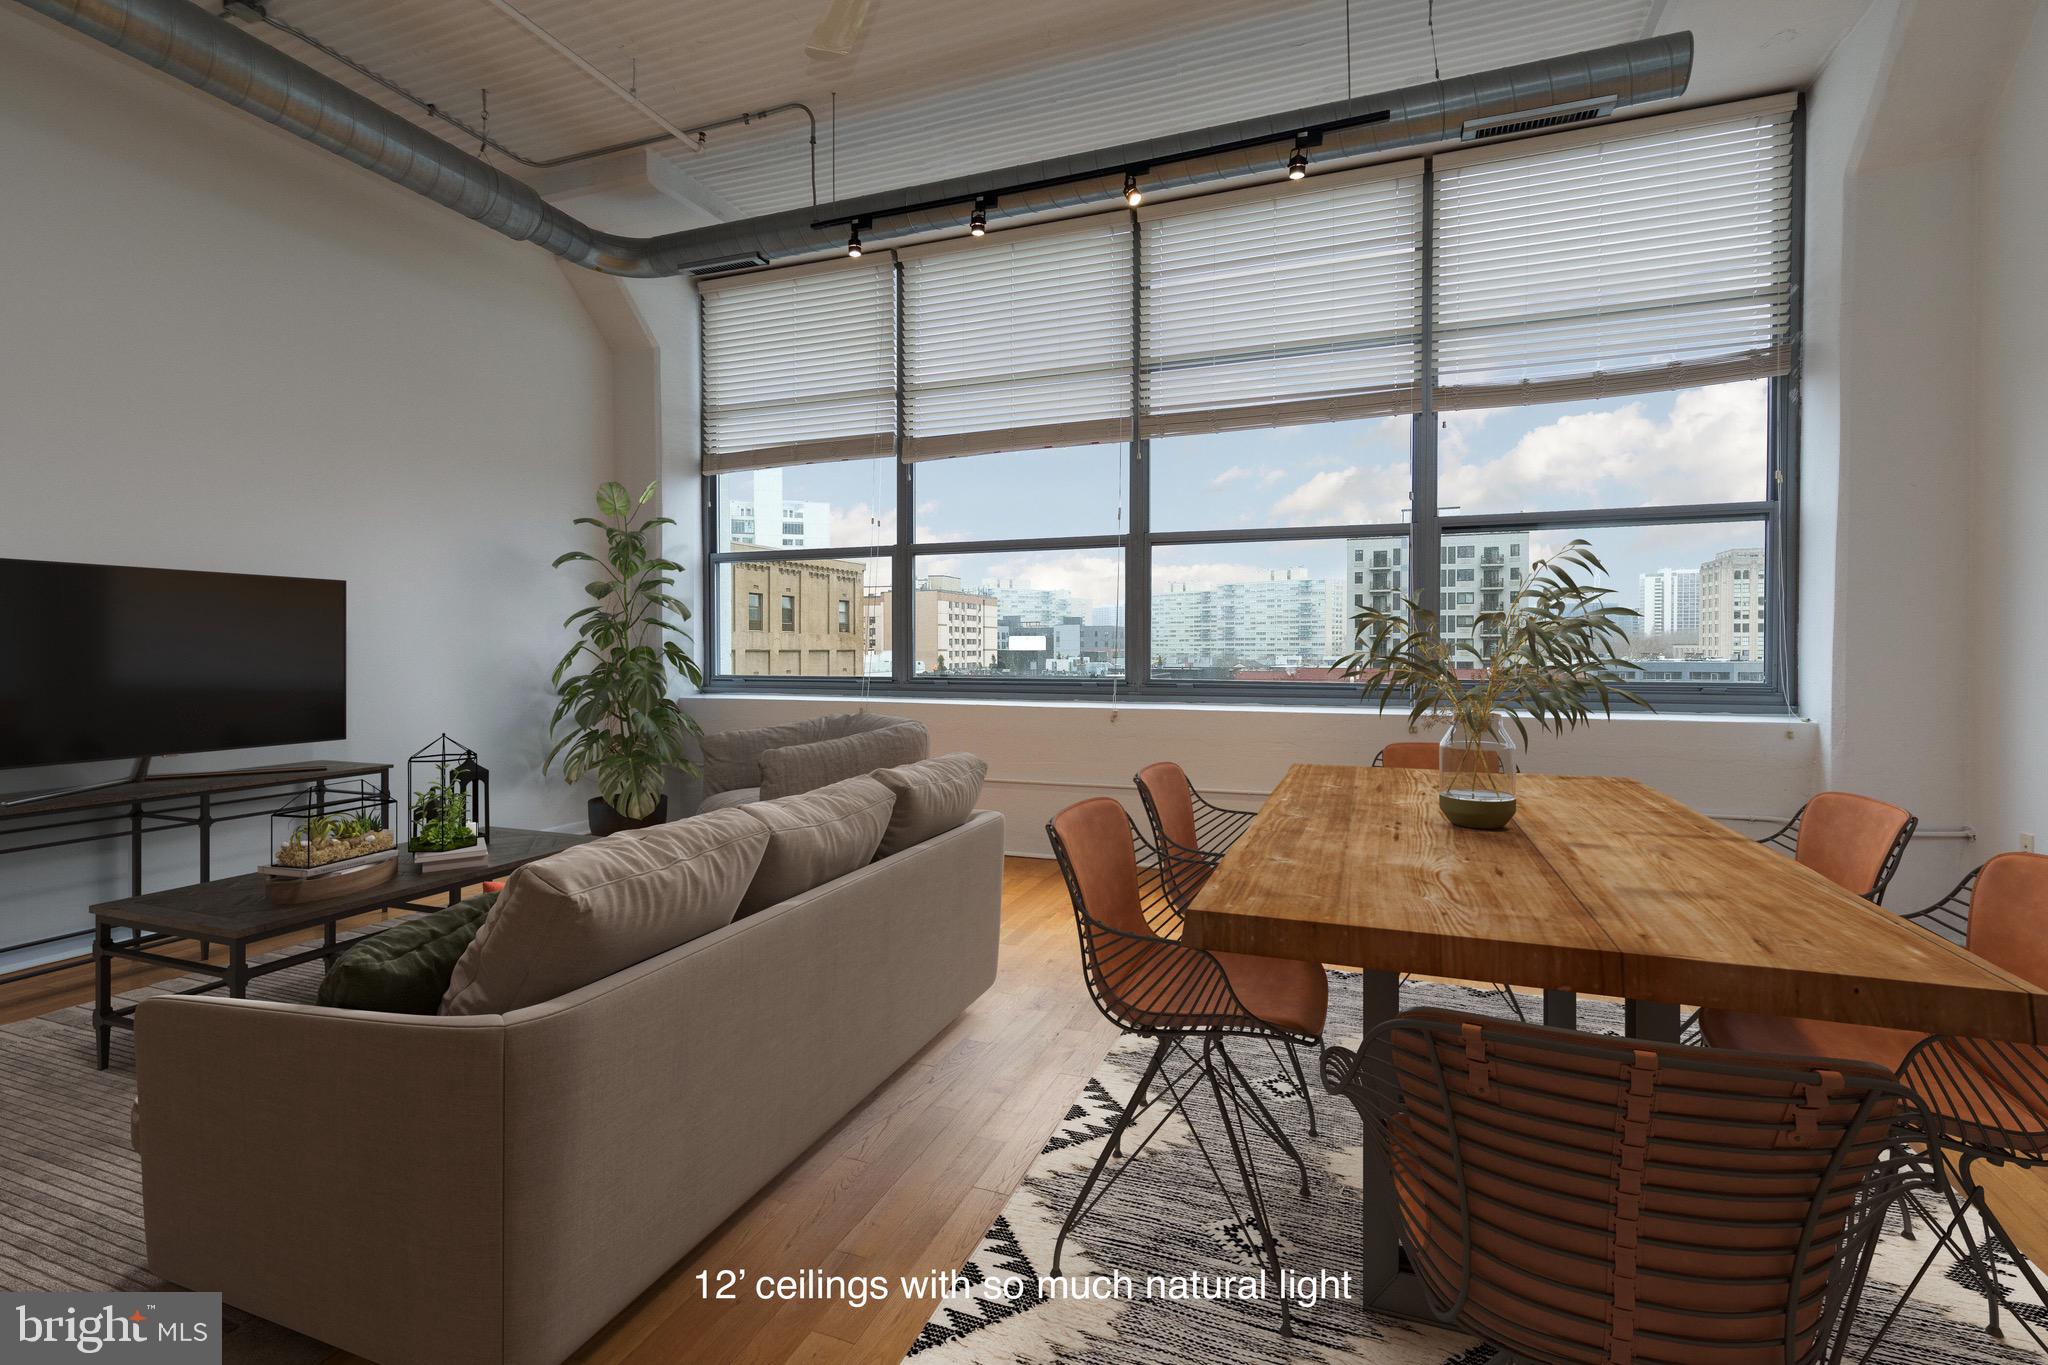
449 796
329 828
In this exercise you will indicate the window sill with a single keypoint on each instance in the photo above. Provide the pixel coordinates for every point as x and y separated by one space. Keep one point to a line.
1694 710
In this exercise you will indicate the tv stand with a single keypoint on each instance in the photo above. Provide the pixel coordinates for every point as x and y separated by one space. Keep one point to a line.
130 807
139 776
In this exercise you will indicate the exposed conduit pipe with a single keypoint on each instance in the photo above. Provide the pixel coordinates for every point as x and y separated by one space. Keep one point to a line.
256 11
583 64
182 40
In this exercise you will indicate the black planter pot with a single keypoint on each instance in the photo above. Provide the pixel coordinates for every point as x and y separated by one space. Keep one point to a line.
605 820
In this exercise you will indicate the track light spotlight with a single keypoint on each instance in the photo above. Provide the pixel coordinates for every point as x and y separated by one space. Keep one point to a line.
977 222
1132 194
1297 165
853 241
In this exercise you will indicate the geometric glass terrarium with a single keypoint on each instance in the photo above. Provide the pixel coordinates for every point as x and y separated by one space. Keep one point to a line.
449 796
331 829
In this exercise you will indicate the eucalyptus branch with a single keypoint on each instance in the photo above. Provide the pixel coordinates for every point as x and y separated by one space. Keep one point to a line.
1553 652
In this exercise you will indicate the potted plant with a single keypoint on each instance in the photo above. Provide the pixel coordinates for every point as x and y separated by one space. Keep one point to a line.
1553 651
624 727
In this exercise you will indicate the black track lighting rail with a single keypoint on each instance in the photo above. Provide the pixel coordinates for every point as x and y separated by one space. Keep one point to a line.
1310 136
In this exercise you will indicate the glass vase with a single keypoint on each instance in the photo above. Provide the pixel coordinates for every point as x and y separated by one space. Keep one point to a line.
1476 775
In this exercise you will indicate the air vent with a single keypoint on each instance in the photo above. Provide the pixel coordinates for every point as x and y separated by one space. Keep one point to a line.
1537 120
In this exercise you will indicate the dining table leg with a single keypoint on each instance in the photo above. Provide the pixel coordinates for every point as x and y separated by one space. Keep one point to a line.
1653 1021
1560 1009
1384 1281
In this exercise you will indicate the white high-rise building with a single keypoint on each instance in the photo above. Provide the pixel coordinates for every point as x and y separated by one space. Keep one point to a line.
1286 620
1670 605
788 525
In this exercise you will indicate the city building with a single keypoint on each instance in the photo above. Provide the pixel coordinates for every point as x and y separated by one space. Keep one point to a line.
1283 621
796 618
1033 604
1479 573
790 525
1669 603
953 630
1732 605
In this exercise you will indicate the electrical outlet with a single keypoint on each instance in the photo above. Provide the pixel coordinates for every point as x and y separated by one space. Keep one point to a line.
2026 843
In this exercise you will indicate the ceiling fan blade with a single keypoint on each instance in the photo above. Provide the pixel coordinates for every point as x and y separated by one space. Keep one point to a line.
839 30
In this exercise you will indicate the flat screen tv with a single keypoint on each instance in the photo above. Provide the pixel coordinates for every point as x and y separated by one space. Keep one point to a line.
103 661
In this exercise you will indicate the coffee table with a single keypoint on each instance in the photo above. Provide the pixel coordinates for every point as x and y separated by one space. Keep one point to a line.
236 912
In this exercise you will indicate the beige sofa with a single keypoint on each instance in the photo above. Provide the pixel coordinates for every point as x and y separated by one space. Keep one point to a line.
816 751
442 1190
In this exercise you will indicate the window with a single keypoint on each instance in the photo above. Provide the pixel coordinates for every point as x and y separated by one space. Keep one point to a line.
1173 451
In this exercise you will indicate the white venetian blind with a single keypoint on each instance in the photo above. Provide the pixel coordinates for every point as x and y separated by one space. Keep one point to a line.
799 366
1020 340
1297 302
1644 255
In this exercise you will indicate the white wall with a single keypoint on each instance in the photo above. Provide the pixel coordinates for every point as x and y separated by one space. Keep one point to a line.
2009 505
221 348
1891 630
1043 756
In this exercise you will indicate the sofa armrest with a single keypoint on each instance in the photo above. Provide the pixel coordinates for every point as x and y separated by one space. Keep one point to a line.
337 1172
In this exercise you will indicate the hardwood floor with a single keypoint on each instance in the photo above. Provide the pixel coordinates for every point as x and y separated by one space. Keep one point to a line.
908 1182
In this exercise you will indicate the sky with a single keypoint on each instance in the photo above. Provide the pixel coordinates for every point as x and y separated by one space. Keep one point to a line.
1689 446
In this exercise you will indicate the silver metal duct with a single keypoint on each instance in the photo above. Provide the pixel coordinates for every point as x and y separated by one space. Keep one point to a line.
182 40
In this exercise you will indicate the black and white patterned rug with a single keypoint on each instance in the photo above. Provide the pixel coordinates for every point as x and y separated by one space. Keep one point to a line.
1165 1218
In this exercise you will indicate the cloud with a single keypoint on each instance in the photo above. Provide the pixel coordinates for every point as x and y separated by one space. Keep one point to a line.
858 525
1230 476
1359 494
1091 578
1708 449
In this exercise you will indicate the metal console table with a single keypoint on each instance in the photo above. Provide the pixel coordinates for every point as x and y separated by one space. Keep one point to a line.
129 810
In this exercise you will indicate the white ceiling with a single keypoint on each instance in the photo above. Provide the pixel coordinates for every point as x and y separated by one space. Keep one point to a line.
941 87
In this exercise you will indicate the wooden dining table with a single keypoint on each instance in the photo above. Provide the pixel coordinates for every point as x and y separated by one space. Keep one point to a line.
1601 885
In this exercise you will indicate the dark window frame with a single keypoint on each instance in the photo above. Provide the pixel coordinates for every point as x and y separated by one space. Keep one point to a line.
1423 530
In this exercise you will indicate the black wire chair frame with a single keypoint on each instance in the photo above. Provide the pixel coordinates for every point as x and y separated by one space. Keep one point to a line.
1986 1103
1786 837
1157 987
1511 1142
1216 827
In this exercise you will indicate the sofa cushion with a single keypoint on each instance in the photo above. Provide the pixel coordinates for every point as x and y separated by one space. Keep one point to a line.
733 758
598 908
815 838
738 796
405 969
799 768
931 798
860 723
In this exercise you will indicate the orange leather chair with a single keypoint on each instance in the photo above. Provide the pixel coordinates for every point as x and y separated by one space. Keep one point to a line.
1854 841
1419 754
1568 1197
1147 982
1191 834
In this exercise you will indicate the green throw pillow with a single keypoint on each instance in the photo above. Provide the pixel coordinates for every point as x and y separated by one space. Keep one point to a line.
405 969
